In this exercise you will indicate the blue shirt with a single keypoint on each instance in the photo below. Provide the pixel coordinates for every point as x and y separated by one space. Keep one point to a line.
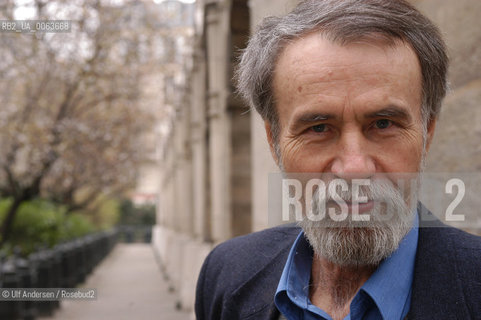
385 295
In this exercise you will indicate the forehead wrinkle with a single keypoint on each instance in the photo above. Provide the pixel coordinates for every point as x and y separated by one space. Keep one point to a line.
319 82
329 74
300 65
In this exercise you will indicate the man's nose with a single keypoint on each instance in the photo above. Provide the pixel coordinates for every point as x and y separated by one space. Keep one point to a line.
353 159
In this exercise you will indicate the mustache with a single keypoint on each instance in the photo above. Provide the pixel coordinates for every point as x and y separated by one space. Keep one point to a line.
355 192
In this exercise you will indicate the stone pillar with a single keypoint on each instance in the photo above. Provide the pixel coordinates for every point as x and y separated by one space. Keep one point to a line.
217 35
241 173
199 147
168 186
185 160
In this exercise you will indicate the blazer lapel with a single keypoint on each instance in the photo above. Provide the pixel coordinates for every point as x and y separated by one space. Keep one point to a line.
436 293
254 298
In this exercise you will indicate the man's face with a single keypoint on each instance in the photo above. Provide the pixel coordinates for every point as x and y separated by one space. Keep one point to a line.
350 112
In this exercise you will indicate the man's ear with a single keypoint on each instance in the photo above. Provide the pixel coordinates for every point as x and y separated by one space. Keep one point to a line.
270 139
430 133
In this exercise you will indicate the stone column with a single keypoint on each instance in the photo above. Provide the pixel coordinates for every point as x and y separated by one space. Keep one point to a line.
183 172
217 35
199 145
241 172
167 185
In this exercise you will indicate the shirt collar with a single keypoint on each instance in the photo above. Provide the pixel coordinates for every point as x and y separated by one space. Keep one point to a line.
389 286
297 272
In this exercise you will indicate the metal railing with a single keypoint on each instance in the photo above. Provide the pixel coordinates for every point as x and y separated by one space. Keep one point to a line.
64 266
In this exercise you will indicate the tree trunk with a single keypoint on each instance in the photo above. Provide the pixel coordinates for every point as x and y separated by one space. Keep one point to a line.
8 221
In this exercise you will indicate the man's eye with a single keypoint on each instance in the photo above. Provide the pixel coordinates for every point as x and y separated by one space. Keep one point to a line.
319 128
383 124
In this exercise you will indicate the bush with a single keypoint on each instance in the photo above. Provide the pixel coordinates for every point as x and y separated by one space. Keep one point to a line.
75 225
42 223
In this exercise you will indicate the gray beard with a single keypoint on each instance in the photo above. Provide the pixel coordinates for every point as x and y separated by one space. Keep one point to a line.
362 243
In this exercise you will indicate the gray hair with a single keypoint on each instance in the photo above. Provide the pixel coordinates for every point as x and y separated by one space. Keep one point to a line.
342 21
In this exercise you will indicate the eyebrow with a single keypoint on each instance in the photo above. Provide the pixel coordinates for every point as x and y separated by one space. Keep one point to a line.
306 119
390 112
313 117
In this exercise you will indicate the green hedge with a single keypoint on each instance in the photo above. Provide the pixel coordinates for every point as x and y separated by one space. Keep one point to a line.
42 223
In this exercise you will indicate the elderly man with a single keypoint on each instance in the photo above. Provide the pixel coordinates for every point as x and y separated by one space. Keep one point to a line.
350 90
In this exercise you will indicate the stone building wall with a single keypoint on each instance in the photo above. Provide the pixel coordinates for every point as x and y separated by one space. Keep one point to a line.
205 195
457 143
456 147
216 160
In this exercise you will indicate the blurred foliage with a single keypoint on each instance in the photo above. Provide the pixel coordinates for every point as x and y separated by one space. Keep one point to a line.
107 214
76 106
43 223
142 215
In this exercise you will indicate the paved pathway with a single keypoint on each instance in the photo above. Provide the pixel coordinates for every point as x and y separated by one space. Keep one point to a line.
129 286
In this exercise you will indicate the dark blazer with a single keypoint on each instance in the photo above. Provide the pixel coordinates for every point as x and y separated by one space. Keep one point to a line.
239 277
